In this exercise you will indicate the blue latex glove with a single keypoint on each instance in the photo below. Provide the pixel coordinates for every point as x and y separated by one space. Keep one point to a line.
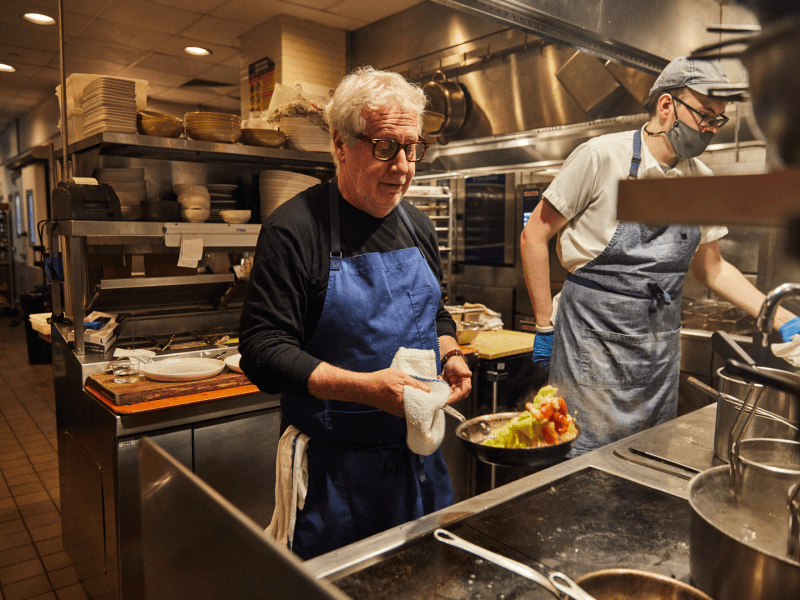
790 328
543 346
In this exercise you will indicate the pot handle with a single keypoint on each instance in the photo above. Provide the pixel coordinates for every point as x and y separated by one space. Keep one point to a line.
440 74
566 586
453 540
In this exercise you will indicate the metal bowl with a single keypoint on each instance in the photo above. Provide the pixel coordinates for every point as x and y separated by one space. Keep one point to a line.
158 124
270 138
630 584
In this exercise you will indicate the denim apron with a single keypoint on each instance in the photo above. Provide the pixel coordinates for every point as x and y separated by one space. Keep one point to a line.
362 478
616 347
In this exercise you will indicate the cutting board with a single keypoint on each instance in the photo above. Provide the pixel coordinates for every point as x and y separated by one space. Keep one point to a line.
123 394
491 345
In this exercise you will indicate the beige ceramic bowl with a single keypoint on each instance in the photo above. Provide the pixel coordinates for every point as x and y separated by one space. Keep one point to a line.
191 188
270 138
195 201
195 215
235 216
158 124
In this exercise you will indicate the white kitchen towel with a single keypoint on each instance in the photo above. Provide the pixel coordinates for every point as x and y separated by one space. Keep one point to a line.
424 417
291 485
789 351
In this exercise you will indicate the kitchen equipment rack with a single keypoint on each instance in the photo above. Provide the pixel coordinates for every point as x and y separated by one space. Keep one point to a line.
7 295
437 203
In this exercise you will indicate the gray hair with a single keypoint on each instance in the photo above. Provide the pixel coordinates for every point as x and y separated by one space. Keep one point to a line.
367 87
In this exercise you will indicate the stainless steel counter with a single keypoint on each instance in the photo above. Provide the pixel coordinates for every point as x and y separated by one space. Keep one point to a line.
623 505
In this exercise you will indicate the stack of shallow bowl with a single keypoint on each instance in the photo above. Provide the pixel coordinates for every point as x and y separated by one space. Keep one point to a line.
195 202
109 104
276 187
302 134
221 199
159 124
130 187
213 127
269 138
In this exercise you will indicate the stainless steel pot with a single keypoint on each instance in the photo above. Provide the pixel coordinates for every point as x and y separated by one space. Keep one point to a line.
763 426
446 98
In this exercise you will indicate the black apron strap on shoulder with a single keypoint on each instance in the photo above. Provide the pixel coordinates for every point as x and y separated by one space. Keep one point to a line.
336 245
636 159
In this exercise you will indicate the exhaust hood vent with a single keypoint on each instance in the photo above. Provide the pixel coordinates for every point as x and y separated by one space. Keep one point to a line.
196 83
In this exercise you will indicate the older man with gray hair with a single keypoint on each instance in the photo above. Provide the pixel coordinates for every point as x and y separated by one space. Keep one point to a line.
345 274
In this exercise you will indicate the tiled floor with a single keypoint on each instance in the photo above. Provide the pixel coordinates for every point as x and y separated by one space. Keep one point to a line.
33 563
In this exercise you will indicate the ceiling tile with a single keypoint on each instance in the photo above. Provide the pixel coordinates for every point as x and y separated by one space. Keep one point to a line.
252 13
80 64
81 48
219 53
197 6
189 96
120 34
19 57
369 11
149 15
349 23
221 74
156 78
220 31
171 64
86 8
26 37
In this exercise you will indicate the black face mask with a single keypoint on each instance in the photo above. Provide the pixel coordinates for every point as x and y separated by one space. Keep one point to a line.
687 142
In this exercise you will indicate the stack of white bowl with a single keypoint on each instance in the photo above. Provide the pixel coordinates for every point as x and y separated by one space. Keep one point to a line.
302 134
213 127
276 187
195 201
130 187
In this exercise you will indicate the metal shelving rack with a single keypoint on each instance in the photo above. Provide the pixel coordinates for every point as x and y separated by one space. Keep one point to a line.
7 293
437 203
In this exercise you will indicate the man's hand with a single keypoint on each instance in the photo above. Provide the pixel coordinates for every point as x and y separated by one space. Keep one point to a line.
382 389
459 377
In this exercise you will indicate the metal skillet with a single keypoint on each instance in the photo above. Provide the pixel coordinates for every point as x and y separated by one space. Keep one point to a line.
473 432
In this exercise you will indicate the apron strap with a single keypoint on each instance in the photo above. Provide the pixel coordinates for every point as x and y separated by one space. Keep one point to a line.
636 159
336 243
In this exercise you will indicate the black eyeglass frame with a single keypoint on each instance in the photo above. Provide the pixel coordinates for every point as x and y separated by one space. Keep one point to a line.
719 120
397 145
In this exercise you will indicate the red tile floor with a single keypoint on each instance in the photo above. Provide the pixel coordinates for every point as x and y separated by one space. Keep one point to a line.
33 563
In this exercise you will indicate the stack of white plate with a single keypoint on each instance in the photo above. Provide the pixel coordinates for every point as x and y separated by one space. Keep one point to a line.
277 187
302 134
130 187
221 199
213 127
109 104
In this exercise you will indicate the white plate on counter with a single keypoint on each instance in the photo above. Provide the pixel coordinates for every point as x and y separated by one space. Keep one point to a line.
232 362
183 369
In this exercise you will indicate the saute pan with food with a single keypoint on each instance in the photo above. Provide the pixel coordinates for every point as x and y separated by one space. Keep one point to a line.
474 434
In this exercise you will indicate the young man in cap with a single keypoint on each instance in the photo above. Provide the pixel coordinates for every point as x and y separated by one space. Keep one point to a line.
615 342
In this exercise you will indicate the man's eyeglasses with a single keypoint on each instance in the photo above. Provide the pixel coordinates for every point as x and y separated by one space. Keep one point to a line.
388 149
705 119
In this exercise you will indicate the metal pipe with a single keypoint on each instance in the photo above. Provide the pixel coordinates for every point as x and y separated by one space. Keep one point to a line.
64 136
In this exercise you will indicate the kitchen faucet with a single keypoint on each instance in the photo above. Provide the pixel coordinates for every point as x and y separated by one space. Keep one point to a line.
766 315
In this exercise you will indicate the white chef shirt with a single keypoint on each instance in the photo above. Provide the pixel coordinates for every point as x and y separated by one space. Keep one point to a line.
585 193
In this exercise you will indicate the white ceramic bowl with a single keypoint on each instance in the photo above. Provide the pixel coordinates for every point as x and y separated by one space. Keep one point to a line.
191 188
235 216
195 201
195 215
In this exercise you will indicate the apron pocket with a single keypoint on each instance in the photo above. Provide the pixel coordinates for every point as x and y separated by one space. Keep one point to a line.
616 360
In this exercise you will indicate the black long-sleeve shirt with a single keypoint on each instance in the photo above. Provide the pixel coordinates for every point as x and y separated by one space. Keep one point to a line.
289 280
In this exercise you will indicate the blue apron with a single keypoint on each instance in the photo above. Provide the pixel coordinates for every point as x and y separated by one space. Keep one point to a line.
616 347
363 479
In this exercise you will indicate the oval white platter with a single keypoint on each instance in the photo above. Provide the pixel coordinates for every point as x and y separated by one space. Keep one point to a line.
183 369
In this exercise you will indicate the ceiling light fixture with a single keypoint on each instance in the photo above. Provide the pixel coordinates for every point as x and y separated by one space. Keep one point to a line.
6 68
39 19
197 51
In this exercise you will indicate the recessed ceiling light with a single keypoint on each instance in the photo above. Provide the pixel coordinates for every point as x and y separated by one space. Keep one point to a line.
39 19
197 51
6 68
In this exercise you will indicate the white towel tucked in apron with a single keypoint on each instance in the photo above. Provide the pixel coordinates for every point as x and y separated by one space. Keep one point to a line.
291 485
